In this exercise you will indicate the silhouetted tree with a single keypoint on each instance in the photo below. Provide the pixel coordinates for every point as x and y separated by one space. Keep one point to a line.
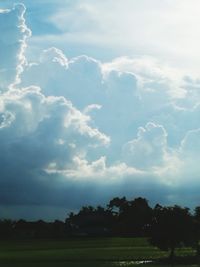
6 229
138 216
196 233
57 229
132 217
167 227
90 221
171 228
117 205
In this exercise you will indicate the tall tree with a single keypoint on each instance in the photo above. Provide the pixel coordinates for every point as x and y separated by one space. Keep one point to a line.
171 228
196 233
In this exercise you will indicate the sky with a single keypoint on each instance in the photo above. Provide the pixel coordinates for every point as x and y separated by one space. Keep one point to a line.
98 99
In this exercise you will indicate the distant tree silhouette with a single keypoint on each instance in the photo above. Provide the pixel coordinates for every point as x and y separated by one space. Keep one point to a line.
58 229
6 228
166 227
132 217
117 205
137 217
90 221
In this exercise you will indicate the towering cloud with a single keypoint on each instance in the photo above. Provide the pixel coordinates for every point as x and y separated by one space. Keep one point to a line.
14 33
76 130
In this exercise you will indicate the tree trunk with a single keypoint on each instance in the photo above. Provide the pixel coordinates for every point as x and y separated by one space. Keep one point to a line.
171 256
197 249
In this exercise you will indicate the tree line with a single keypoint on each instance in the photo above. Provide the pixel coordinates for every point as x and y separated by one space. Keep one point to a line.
166 227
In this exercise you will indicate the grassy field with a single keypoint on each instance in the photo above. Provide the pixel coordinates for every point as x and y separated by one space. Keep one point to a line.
105 252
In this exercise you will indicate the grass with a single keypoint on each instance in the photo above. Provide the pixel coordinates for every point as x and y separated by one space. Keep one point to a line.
96 252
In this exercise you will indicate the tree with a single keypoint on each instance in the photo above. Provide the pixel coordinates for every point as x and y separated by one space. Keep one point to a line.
171 228
196 233
138 216
117 205
6 228
132 217
90 221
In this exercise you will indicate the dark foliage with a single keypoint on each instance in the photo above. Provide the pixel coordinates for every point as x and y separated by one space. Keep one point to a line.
166 227
171 227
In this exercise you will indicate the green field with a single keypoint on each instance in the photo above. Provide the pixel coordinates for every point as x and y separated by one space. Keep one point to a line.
105 252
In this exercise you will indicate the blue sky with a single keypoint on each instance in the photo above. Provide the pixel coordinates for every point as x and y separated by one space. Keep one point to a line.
96 104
